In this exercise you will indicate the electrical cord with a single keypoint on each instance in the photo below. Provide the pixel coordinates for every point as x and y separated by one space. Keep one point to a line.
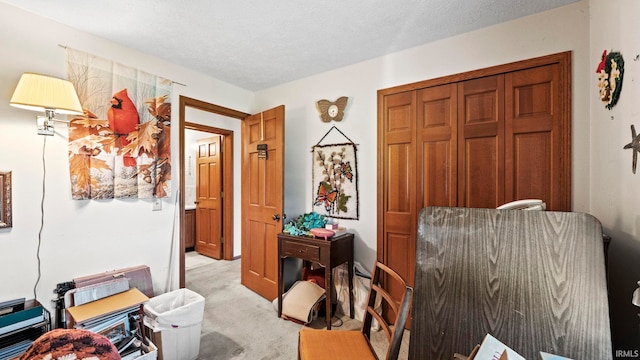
44 176
341 284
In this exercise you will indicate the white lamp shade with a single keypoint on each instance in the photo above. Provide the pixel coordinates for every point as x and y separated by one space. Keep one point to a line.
635 300
40 92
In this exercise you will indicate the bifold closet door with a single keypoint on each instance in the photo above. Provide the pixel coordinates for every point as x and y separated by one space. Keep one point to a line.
481 142
534 151
437 146
397 176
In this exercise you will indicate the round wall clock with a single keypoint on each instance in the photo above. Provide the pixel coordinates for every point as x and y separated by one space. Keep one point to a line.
332 110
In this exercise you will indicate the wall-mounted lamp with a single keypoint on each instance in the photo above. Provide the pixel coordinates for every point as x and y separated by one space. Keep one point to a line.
46 94
49 95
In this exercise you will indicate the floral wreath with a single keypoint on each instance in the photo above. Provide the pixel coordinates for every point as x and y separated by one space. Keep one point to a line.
610 72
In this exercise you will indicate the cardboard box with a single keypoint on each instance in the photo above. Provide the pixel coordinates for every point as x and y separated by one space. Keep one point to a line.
151 352
139 277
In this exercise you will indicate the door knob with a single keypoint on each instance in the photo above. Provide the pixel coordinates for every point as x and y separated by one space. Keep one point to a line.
276 217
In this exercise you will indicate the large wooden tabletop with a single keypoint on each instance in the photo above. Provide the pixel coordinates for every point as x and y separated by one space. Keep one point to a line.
535 280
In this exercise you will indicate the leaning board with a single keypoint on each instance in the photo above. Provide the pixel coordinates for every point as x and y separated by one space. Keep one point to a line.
533 279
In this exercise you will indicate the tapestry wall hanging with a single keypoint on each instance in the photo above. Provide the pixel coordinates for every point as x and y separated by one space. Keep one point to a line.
120 148
335 179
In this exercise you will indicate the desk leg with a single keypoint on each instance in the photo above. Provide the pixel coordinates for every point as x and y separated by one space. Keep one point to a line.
350 273
280 285
328 281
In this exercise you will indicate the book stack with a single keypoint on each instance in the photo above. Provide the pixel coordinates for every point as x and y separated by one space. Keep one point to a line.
109 304
21 322
116 316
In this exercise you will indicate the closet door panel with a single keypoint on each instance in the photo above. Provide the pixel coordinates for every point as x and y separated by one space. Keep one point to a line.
437 146
397 176
483 177
481 142
534 151
531 177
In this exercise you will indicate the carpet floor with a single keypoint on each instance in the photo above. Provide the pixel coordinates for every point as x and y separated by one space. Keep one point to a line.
240 324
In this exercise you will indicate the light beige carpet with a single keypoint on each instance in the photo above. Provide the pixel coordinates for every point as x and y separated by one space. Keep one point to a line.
193 260
239 324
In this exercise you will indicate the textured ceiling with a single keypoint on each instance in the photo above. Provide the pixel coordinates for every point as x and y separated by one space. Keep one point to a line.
257 44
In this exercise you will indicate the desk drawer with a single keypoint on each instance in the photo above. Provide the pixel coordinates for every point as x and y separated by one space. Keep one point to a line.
299 250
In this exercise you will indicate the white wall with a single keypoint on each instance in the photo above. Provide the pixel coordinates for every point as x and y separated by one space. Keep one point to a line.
615 190
191 138
562 29
79 237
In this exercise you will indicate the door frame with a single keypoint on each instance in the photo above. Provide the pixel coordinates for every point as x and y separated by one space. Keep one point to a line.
185 102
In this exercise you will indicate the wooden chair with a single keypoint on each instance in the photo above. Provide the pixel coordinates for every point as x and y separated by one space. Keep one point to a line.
341 344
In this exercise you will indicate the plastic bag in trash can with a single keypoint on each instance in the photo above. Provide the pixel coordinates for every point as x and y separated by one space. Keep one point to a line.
179 308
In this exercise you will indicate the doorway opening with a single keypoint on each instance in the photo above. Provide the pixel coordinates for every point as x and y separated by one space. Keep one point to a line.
198 118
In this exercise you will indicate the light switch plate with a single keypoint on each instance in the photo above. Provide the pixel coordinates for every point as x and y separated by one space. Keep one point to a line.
157 204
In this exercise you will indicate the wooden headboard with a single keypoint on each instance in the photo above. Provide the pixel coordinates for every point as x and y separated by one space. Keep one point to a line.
535 280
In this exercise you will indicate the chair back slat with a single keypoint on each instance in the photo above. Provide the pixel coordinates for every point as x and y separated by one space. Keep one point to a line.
381 280
383 323
387 297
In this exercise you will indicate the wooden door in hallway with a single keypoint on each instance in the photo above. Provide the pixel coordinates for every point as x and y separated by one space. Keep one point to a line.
209 192
262 199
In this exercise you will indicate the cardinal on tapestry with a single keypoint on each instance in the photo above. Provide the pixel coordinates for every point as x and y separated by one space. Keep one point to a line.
120 146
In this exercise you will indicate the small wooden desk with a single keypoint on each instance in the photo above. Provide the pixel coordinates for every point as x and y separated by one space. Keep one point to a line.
327 253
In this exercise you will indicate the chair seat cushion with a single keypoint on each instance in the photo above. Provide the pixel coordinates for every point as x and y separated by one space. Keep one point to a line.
334 345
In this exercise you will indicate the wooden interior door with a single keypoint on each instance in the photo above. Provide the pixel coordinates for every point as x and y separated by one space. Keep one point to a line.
262 199
209 205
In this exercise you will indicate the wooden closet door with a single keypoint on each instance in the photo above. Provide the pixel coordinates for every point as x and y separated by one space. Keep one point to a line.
437 146
512 123
481 142
397 178
535 133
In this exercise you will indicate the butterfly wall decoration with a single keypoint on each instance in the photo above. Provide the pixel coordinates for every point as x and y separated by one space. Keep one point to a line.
332 110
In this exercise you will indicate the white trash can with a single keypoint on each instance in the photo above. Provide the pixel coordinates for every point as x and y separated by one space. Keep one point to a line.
175 318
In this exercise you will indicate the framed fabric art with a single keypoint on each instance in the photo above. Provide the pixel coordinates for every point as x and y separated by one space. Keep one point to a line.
120 148
335 181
